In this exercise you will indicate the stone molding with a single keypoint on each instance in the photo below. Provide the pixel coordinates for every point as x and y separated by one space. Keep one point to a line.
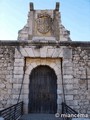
46 43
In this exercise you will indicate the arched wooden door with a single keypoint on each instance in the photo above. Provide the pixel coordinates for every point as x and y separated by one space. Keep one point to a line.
43 90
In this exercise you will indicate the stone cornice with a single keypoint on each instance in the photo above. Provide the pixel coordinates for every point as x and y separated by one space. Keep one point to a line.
45 43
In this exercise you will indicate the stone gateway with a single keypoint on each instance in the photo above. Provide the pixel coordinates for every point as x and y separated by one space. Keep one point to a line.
46 66
43 90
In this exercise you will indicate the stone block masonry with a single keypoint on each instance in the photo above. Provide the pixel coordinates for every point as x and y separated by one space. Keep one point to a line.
6 75
44 41
75 66
81 78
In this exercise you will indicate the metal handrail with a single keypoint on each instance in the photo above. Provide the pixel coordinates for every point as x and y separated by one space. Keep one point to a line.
13 112
67 111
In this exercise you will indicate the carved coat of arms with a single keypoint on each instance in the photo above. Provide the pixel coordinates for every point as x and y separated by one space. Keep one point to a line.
44 23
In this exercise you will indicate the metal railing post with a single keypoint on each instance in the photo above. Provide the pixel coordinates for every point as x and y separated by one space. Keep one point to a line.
22 108
67 110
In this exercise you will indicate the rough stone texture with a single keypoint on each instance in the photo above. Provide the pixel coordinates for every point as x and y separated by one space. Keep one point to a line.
70 61
75 66
57 31
81 78
6 75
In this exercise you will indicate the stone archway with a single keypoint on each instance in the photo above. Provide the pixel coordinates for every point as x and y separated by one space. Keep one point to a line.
32 63
43 90
29 57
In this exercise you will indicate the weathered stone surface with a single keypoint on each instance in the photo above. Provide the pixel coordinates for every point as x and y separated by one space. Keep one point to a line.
50 52
6 71
69 97
75 77
67 53
34 30
69 60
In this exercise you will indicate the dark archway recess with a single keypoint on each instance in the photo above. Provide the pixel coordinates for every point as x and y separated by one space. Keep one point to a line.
43 90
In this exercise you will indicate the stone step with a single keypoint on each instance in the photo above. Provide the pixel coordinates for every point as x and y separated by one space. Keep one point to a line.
80 118
40 117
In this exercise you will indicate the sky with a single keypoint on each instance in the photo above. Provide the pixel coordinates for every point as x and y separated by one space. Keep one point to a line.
75 16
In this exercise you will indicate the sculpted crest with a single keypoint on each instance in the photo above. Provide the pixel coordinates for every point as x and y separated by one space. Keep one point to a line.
44 23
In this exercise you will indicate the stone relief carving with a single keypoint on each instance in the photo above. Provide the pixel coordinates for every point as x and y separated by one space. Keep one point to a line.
44 22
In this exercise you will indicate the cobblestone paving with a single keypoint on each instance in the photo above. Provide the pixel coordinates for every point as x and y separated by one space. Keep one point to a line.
40 117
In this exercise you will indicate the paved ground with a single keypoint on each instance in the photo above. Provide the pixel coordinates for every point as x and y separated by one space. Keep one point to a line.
40 117
81 119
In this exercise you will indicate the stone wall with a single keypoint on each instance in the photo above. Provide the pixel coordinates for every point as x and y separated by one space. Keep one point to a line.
77 84
75 59
81 79
6 74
